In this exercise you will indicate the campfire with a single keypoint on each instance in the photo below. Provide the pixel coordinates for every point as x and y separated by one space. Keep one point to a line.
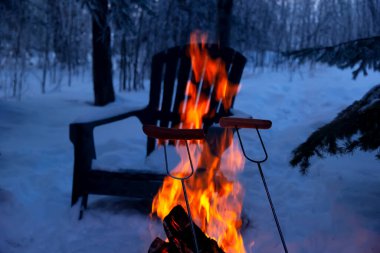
215 195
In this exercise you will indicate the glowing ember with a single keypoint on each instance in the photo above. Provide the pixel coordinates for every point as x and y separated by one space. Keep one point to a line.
215 200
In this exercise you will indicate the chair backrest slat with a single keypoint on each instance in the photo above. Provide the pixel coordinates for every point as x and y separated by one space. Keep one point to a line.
157 70
171 72
236 71
156 80
172 59
228 56
183 78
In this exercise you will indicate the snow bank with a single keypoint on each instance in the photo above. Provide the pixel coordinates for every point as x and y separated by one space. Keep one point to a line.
334 208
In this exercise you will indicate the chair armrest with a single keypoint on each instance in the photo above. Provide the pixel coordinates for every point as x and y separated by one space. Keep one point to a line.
82 130
232 122
164 133
109 115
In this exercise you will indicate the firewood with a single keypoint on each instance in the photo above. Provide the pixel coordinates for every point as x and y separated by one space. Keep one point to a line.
178 229
157 246
160 246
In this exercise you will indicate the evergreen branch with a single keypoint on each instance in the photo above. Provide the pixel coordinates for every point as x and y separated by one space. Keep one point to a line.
356 127
363 53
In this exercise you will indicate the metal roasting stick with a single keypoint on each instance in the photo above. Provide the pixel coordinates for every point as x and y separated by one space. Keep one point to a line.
187 134
184 190
164 133
258 162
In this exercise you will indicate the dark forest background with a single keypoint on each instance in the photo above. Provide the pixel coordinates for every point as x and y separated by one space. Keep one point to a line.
52 39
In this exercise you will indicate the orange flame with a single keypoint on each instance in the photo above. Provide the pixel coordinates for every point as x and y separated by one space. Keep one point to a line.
214 193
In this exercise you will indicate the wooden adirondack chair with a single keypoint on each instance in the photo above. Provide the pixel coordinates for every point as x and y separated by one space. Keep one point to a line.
171 70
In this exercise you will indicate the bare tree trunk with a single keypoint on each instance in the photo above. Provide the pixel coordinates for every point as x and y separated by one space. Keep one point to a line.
19 67
223 23
69 40
46 61
136 74
374 9
123 63
46 49
130 71
101 55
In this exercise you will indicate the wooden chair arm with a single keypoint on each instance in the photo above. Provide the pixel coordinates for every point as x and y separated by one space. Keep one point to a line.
232 122
110 116
164 133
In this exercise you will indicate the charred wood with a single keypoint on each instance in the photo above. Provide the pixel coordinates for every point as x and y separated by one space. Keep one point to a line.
177 227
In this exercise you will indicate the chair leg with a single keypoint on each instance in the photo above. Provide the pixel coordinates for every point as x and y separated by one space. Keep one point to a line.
83 205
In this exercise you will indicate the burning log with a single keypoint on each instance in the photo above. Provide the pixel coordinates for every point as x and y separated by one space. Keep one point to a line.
159 245
178 230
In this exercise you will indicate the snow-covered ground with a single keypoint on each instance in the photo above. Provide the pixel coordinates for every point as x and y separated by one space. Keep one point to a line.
334 208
